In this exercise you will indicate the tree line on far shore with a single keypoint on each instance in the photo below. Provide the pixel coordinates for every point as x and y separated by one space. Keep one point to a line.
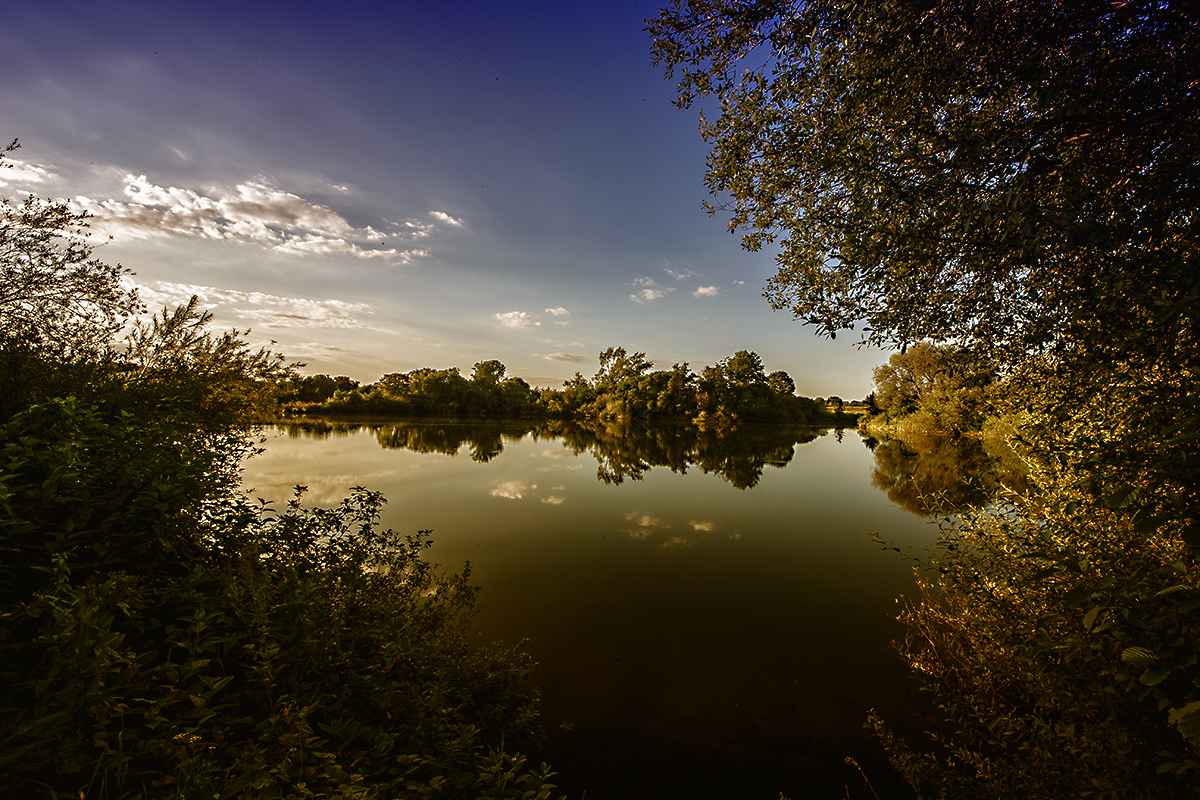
626 387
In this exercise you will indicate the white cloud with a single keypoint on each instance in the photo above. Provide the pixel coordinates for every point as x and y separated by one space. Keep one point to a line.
313 244
417 230
569 358
706 291
679 274
650 290
558 312
552 500
512 490
707 527
517 319
14 171
254 212
675 542
270 310
446 218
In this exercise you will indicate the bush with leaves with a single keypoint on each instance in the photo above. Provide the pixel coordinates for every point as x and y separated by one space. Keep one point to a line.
164 637
1056 641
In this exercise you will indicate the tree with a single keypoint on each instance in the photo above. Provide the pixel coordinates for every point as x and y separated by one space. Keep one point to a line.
781 383
617 367
1014 176
744 368
911 377
59 307
941 382
488 373
316 388
1017 180
220 380
53 294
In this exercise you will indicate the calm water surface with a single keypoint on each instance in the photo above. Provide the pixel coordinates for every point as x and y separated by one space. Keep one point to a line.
711 616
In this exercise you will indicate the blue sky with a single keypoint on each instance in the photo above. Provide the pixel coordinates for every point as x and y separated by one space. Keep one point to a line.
380 187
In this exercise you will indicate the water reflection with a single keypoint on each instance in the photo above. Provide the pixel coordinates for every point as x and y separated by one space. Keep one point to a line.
485 442
921 472
675 621
738 456
926 473
669 536
622 452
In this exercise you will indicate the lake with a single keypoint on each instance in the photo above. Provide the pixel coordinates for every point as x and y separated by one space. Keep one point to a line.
710 613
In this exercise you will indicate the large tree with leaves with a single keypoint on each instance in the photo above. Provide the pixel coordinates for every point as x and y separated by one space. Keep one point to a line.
1013 175
1018 179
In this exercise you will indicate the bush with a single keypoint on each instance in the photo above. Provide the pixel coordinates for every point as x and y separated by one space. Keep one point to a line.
166 637
1056 644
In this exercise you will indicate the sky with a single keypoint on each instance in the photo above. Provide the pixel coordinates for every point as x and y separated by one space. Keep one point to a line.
378 187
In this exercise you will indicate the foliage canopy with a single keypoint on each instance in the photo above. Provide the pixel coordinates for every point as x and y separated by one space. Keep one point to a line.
1013 176
53 294
1017 180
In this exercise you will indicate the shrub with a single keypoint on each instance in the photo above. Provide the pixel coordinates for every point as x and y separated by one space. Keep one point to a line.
166 637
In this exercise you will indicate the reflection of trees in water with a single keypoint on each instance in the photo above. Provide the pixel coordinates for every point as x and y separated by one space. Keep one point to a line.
485 441
924 473
622 451
319 428
739 456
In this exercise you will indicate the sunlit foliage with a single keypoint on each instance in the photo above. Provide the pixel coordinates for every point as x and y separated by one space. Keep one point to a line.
1053 639
625 388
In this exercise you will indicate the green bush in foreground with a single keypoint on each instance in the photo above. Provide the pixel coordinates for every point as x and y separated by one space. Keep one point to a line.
1056 645
165 637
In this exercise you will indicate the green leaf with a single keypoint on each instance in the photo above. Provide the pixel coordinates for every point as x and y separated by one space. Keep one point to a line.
1148 524
1187 720
1121 497
1179 587
1138 655
1089 619
1190 605
1078 595
1155 675
1043 573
